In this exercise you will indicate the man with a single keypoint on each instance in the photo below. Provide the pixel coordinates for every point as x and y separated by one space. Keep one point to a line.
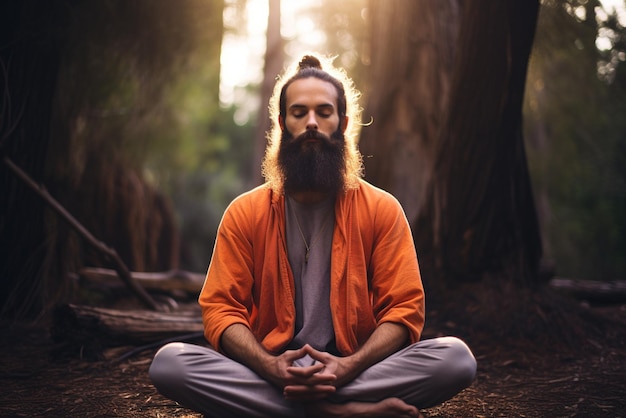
313 303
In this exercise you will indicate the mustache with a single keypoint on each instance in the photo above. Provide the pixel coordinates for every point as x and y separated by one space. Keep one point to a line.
308 135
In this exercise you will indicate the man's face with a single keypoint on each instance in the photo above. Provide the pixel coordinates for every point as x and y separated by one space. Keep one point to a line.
311 104
311 154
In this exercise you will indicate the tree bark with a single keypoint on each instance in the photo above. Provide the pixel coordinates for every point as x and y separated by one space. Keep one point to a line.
97 328
274 61
172 280
412 53
69 123
29 64
106 252
478 216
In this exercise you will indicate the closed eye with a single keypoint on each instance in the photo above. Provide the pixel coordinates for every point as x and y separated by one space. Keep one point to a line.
325 112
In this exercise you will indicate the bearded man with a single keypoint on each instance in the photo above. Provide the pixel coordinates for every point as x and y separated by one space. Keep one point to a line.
313 304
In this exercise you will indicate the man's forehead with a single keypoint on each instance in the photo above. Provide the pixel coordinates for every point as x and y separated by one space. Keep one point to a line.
311 91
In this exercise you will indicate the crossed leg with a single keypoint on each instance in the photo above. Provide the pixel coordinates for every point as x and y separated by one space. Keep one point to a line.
419 376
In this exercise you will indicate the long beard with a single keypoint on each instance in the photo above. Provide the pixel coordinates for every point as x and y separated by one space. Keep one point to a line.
318 166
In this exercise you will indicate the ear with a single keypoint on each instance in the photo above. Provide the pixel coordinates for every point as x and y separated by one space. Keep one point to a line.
344 126
281 123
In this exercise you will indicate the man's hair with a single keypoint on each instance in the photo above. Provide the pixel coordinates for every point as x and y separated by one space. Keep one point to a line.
347 105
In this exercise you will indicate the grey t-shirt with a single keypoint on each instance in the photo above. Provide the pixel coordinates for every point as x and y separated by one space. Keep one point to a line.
312 278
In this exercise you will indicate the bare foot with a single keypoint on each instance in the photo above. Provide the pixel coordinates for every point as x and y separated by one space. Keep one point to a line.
387 408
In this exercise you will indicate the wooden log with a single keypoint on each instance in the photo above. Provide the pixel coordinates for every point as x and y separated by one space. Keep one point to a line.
92 329
591 290
166 280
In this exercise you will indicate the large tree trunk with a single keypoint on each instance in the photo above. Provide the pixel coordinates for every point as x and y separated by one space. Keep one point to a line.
446 100
478 216
78 82
412 52
29 63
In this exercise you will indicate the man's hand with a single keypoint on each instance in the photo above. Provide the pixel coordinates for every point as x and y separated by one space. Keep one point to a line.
342 368
319 380
303 384
385 340
298 383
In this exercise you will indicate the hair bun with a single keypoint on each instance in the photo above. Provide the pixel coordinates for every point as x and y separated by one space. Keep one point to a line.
309 61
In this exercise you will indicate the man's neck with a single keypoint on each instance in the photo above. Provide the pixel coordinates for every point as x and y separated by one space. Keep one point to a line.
309 197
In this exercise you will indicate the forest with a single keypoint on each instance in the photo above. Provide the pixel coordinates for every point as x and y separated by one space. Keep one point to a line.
498 124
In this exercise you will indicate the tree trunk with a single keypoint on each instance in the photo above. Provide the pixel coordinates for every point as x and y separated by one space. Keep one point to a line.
274 61
412 51
78 82
446 101
478 216
29 64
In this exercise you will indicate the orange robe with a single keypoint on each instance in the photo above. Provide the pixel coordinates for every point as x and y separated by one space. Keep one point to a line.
374 275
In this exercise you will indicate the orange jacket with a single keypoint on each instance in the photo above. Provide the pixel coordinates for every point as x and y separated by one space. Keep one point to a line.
375 276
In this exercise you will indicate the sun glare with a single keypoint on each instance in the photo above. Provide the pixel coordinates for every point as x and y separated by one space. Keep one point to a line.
243 49
618 7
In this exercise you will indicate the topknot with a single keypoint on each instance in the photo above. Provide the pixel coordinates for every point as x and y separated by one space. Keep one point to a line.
309 61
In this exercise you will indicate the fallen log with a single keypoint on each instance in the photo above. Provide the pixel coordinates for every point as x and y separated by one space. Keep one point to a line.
91 329
170 280
591 290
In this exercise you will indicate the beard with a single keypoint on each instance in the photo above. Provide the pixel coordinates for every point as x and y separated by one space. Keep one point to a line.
319 166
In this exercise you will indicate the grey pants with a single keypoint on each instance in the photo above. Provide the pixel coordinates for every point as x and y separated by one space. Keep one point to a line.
423 374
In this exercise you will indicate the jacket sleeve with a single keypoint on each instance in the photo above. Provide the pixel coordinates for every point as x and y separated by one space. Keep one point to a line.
397 290
226 298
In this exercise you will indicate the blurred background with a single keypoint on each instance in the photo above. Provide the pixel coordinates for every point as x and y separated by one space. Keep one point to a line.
146 118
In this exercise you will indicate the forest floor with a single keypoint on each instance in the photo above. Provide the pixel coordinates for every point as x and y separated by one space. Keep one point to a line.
547 359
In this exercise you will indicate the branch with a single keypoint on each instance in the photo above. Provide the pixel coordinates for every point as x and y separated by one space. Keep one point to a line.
109 253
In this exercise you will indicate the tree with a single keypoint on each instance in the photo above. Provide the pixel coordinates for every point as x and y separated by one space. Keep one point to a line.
476 213
408 93
274 61
85 95
29 63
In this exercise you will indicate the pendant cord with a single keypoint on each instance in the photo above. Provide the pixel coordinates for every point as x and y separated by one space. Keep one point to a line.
315 237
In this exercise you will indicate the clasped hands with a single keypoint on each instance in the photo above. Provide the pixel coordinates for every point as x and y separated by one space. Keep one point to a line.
309 383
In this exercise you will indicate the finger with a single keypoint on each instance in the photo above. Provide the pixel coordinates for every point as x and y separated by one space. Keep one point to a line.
295 354
307 371
310 350
320 356
312 380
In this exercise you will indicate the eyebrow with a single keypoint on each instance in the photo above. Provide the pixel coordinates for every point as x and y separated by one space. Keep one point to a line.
319 106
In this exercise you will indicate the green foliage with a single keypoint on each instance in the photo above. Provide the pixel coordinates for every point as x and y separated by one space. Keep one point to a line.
212 173
575 139
139 93
121 62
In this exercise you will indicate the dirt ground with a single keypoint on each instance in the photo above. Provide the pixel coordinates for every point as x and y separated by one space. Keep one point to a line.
536 372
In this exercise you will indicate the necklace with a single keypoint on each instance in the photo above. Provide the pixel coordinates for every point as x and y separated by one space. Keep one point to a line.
315 238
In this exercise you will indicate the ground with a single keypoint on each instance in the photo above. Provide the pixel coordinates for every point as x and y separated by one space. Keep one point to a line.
536 372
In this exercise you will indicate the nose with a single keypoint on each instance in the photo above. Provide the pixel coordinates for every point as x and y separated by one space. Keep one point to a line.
311 123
